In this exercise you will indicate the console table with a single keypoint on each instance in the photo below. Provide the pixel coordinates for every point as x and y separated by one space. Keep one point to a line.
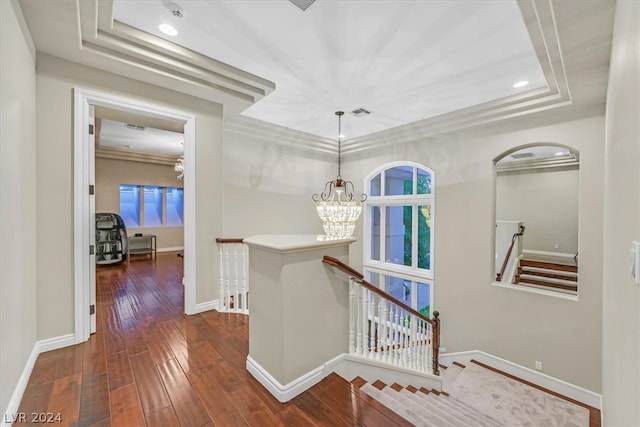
144 244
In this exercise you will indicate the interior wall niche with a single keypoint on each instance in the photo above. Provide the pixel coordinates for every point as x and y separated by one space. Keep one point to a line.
536 206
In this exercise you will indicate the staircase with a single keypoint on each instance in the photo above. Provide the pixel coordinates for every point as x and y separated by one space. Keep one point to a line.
547 274
479 395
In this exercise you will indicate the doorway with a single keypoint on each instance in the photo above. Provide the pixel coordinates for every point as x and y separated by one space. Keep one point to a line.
84 183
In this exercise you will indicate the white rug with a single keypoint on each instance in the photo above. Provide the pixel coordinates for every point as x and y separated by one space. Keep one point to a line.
514 403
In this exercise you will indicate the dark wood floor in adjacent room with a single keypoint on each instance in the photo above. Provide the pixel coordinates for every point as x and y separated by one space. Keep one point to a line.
149 364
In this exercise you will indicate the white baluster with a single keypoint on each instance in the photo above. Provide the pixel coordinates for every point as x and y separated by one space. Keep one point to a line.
414 341
236 291
227 286
352 316
365 323
384 347
221 279
359 349
396 336
245 278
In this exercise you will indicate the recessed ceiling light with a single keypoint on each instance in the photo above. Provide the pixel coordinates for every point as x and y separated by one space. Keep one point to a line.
522 83
168 29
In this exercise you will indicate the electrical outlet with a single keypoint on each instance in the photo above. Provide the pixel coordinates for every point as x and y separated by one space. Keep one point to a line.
538 365
443 350
556 246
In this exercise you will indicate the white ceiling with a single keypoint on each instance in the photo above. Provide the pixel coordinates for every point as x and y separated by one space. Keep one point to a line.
402 60
423 68
141 138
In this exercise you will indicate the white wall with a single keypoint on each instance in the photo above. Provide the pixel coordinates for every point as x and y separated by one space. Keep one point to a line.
621 297
268 187
18 316
546 200
56 80
110 173
512 324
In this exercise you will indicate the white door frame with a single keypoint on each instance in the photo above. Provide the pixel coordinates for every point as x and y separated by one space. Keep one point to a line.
83 177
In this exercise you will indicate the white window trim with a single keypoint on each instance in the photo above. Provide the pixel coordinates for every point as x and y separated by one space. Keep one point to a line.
414 200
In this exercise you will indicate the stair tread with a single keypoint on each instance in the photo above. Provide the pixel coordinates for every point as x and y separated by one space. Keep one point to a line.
469 410
393 405
450 374
458 415
569 266
547 284
513 400
427 409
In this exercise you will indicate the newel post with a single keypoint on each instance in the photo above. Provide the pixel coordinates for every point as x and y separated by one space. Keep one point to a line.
435 342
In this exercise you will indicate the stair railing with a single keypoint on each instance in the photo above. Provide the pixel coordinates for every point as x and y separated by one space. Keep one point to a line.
233 256
507 256
385 329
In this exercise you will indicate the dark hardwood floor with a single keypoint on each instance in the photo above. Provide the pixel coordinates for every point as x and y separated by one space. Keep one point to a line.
149 364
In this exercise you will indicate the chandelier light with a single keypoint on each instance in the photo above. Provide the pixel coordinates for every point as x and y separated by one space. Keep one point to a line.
337 205
179 167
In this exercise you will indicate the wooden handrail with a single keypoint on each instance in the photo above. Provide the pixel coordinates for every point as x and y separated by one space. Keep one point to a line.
508 255
435 322
360 278
222 240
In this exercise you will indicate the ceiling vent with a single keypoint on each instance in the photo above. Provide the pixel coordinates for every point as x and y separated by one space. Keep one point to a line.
303 5
522 155
361 112
134 127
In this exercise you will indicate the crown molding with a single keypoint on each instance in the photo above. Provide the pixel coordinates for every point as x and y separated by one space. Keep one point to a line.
269 132
134 156
102 42
540 21
86 33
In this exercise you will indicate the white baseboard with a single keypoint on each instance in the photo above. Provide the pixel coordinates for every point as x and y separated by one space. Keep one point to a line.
348 367
38 348
206 306
575 392
286 392
171 249
549 253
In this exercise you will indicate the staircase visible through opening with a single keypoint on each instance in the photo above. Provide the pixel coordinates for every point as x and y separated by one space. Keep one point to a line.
548 272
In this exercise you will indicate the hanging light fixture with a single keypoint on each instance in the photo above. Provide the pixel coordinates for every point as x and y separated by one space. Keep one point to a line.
337 206
179 167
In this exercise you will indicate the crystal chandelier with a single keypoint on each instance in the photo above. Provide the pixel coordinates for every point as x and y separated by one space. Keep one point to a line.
179 167
337 205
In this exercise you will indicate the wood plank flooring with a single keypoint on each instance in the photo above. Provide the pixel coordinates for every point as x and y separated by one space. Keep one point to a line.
149 364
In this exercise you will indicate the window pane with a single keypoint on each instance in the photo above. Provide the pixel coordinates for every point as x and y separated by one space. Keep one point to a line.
398 181
130 205
398 288
152 206
374 279
424 299
174 206
374 188
424 237
424 182
375 233
398 235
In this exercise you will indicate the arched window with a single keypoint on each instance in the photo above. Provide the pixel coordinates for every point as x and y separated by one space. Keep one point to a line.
398 235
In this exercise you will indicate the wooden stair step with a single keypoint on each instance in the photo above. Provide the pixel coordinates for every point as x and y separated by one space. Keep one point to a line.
546 283
549 265
553 274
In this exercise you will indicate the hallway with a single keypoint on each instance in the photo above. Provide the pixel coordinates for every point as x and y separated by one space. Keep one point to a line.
149 364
